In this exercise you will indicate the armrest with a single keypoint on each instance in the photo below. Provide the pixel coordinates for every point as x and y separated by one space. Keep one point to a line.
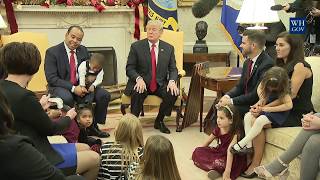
181 73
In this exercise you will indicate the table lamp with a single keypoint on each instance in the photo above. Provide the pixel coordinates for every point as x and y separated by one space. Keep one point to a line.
257 12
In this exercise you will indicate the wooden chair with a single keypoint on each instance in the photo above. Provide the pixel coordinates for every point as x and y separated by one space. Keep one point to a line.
176 40
38 82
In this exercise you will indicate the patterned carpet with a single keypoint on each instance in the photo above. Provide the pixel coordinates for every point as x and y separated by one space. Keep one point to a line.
147 120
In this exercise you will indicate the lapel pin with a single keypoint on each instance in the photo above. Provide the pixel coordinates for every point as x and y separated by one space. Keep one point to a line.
162 50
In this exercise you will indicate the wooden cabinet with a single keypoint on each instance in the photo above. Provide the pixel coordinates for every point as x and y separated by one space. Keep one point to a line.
202 57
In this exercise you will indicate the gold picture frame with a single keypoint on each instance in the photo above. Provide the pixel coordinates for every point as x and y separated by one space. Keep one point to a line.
188 3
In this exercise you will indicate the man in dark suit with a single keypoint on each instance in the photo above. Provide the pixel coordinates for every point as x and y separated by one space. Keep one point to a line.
244 94
151 69
61 62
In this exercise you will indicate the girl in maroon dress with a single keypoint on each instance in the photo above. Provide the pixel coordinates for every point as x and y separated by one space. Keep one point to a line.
218 160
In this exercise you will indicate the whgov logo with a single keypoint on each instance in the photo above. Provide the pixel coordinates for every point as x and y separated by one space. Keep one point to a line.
297 25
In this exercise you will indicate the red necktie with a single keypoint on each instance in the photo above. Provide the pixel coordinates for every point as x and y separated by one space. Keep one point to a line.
248 74
73 78
153 83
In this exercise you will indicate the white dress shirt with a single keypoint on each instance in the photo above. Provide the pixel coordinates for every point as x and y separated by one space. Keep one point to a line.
82 71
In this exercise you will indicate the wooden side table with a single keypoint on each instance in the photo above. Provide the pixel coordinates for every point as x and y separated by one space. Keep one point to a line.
203 57
219 79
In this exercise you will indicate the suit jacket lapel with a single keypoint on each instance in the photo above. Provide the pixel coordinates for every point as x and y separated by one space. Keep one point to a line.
147 52
78 57
65 58
257 64
160 54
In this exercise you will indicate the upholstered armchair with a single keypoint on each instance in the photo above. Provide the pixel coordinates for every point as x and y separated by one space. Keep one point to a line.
38 82
176 40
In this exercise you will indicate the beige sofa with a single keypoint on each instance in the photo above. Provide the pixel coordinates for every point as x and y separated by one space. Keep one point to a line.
279 139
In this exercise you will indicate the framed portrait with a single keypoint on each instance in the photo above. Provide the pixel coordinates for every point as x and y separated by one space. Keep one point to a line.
186 3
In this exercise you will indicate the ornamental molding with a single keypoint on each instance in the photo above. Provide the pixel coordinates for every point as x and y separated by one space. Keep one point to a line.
70 9
35 16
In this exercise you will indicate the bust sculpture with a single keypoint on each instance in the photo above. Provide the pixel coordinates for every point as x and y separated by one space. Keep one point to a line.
201 32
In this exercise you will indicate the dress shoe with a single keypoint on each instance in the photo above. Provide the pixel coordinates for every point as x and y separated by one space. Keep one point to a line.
242 151
156 124
163 128
263 173
213 174
249 176
96 132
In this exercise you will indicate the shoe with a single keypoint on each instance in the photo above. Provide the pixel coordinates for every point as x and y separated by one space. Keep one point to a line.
213 174
156 125
242 151
163 128
249 176
263 173
96 132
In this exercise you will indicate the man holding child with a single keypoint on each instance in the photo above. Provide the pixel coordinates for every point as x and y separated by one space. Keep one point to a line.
61 65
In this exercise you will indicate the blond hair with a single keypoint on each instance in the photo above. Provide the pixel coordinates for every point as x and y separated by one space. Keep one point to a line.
155 22
158 162
129 134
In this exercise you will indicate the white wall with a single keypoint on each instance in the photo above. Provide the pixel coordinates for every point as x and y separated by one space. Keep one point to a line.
216 39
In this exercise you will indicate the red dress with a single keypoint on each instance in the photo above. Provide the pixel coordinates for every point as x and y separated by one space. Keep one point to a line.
215 158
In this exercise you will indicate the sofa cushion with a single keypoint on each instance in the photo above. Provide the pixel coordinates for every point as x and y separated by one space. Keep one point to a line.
314 62
282 137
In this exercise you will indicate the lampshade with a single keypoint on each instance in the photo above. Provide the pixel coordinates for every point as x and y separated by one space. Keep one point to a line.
257 12
3 25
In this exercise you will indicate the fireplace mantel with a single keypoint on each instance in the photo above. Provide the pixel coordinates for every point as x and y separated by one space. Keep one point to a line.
113 27
59 8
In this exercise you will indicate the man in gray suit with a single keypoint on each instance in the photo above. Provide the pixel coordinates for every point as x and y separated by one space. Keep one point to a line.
61 64
151 69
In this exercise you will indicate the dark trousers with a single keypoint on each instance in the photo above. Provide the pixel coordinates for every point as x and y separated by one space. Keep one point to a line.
166 106
87 99
242 109
101 97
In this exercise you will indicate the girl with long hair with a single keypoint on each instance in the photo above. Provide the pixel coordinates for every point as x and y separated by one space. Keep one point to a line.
127 148
218 160
271 110
158 162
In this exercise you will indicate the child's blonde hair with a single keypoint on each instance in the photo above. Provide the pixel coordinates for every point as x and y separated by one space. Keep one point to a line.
129 135
158 162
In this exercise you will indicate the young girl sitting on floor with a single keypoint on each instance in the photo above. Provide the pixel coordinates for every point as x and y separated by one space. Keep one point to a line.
77 131
272 108
158 162
218 160
127 148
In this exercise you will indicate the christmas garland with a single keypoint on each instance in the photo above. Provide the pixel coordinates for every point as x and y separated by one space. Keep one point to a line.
99 5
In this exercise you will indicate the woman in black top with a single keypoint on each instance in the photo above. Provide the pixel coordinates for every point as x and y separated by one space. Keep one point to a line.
290 56
19 158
